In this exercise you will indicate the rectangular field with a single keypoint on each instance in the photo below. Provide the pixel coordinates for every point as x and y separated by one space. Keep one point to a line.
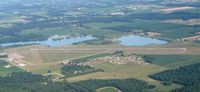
172 61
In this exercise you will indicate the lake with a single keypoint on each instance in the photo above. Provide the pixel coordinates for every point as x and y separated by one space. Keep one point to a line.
133 40
56 40
53 41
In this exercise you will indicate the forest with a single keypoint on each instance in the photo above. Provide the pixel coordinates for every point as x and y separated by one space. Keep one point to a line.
75 69
189 76
28 82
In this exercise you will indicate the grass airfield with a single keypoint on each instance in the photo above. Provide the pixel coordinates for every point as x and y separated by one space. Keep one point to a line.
41 59
37 58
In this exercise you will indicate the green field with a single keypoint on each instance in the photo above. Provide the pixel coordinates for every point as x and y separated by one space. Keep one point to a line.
120 71
172 61
55 56
4 71
114 71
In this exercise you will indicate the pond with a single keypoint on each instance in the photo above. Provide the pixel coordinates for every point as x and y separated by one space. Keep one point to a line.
53 41
133 40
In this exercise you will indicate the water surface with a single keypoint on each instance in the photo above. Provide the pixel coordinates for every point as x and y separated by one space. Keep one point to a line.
53 41
133 40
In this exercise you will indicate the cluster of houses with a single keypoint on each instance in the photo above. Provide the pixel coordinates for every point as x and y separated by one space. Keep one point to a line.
121 59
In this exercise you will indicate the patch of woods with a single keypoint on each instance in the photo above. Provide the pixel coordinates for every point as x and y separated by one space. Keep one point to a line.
80 66
189 76
99 41
28 82
148 59
87 59
75 70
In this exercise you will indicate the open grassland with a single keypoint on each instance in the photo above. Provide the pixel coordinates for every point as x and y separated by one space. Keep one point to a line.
53 56
120 71
44 69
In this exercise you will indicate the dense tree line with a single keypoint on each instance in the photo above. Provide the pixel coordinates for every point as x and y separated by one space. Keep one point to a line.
126 85
189 76
87 59
28 82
